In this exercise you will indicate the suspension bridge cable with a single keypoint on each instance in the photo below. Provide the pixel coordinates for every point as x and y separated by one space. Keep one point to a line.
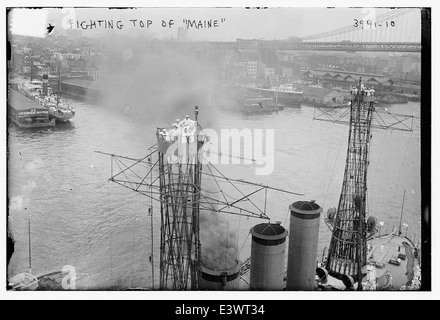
381 18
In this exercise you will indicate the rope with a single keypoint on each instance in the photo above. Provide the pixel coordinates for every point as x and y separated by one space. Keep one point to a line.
111 235
133 248
239 223
227 238
244 242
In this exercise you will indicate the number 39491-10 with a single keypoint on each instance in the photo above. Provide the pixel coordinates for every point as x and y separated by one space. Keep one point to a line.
372 24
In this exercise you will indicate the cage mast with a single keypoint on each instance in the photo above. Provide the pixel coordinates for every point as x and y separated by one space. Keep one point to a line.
347 253
180 186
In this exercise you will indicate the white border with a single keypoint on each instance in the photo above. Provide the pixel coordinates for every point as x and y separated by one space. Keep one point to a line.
247 295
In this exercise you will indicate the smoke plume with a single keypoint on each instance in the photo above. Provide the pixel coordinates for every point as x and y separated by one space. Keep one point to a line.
219 242
160 82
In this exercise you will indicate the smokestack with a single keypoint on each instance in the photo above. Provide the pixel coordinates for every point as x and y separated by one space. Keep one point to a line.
267 256
226 279
303 245
45 84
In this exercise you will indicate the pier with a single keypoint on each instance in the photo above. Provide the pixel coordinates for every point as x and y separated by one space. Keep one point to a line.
26 113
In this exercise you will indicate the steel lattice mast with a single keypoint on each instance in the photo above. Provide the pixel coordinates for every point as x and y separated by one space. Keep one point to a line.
180 182
347 251
174 182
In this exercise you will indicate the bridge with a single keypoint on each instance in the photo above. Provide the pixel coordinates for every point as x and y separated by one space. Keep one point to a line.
374 34
241 44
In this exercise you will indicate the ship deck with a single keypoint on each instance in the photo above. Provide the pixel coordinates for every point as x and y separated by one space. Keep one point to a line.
392 262
386 250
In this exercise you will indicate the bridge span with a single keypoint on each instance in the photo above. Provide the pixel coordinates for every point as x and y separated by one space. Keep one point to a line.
318 46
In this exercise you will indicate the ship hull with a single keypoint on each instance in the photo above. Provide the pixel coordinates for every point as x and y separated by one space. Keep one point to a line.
60 118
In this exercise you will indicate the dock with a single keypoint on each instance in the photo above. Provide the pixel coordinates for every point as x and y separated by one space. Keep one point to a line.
26 113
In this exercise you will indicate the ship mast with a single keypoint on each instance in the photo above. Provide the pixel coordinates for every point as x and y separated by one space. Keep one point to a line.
347 253
401 213
177 187
30 257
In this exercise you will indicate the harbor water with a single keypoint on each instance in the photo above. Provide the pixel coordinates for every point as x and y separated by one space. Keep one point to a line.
78 218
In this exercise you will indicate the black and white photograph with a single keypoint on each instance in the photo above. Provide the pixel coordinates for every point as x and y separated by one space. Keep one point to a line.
222 149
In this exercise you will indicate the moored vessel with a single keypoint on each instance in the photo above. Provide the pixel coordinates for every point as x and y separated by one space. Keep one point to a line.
259 105
286 94
39 91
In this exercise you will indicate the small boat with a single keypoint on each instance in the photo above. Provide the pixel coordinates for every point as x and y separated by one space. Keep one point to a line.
52 281
26 281
23 282
259 105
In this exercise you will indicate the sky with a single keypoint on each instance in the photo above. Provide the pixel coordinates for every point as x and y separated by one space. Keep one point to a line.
272 23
